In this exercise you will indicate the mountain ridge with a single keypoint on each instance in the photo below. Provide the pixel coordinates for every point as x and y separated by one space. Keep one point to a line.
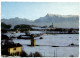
71 21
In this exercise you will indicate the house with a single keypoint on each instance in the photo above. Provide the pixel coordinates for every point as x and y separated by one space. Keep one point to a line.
15 49
12 49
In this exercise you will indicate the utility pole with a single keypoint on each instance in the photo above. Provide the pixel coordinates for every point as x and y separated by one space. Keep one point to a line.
54 53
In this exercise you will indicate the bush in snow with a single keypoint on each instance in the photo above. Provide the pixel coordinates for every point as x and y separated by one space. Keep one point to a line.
23 54
31 55
71 55
37 54
41 37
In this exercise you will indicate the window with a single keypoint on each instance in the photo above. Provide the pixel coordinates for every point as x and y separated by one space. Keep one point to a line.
14 49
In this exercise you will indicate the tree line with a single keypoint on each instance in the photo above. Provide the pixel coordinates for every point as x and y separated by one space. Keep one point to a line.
25 27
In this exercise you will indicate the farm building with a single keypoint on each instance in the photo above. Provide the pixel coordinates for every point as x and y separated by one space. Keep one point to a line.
15 49
12 49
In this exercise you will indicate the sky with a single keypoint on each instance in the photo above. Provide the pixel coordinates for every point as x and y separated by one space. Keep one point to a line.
35 10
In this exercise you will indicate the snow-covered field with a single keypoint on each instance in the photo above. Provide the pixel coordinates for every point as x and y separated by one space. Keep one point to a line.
15 34
49 51
36 32
18 34
48 41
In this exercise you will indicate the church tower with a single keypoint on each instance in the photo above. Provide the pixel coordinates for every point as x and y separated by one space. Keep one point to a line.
52 25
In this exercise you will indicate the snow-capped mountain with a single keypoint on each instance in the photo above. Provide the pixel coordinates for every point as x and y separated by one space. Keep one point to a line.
67 21
63 21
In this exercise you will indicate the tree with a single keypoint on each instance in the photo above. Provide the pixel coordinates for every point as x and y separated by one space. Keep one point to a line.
5 26
22 27
70 30
31 54
23 54
37 54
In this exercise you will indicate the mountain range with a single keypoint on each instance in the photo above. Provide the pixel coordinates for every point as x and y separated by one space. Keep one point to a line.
61 21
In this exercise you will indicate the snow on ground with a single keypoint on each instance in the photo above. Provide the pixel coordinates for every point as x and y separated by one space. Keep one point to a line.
50 40
35 32
49 51
58 39
15 34
21 41
18 34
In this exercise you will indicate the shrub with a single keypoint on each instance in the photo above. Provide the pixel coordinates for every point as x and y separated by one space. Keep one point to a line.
24 54
41 37
31 55
71 55
5 26
37 54
72 44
